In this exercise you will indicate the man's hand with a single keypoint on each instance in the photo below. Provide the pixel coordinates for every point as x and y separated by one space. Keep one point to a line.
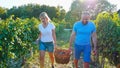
94 51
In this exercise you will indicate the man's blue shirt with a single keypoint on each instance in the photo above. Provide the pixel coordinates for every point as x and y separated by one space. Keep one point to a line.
83 32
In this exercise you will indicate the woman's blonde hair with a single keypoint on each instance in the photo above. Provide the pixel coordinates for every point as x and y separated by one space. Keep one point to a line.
45 15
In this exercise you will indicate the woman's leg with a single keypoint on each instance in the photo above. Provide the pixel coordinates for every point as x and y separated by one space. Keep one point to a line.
76 63
51 57
50 49
42 58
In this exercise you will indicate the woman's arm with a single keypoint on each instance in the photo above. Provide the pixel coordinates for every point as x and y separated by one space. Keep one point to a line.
54 36
38 39
39 36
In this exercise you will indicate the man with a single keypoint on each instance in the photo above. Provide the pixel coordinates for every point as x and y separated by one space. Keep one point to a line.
82 32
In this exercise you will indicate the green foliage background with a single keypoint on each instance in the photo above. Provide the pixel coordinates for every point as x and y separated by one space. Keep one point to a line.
19 29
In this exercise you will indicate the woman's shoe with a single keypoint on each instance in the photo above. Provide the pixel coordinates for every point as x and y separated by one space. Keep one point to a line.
52 66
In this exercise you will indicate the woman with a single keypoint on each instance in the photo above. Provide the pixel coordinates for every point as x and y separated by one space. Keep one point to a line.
47 39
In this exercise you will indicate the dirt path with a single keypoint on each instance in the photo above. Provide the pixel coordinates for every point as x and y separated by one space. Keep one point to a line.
34 63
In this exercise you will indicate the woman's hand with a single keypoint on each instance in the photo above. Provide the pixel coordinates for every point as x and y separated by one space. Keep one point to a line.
70 48
37 41
55 45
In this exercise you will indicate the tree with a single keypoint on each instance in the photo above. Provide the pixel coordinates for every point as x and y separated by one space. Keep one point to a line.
33 10
3 12
100 6
118 12
108 34
60 12
93 6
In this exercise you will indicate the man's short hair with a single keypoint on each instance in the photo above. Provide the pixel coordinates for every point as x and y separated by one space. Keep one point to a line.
85 13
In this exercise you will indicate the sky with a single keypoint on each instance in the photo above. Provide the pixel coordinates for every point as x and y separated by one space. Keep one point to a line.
64 3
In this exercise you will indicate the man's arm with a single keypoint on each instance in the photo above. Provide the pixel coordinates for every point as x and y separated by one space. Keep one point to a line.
72 38
94 40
